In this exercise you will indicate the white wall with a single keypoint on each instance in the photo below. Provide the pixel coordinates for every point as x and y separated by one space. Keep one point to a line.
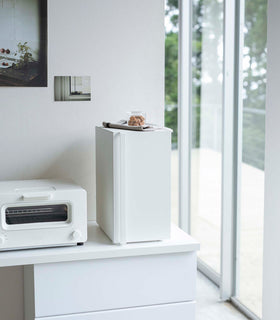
120 44
271 281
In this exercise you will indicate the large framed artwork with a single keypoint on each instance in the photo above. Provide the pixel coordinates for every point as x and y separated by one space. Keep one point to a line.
23 43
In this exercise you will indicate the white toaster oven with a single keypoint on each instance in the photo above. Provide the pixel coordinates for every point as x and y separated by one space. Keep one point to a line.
42 213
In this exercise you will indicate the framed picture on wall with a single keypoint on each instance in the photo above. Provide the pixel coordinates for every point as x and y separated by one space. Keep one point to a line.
72 88
23 43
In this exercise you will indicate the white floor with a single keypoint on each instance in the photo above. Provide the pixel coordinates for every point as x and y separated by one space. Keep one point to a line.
208 305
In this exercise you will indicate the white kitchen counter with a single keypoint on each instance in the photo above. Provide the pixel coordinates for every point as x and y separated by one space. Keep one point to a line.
99 246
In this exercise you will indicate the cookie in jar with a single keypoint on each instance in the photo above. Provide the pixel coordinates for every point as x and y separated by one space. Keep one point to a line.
136 118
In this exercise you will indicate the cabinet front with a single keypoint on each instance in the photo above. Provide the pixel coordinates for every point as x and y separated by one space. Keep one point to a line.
98 285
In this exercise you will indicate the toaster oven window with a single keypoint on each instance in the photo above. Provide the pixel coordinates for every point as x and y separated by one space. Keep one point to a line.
36 214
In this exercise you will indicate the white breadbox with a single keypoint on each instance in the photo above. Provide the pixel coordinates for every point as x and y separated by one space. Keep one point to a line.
133 184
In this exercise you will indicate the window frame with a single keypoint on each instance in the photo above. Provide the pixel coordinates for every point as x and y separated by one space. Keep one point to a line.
234 15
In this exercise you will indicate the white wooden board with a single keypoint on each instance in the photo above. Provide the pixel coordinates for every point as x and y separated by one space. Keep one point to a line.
99 246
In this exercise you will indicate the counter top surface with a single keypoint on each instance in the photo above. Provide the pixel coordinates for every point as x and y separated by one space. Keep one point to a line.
99 246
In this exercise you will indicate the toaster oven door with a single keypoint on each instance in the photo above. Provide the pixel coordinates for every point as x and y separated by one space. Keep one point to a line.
29 215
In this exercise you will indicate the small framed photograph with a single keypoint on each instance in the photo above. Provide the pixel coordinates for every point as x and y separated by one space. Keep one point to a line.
72 88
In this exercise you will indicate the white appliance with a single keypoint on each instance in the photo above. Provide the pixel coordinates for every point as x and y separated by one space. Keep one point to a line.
133 184
42 213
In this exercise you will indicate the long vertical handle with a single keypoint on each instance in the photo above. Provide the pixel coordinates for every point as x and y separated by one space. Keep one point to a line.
119 189
122 189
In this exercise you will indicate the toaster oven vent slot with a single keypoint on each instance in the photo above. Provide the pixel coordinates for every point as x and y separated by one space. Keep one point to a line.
36 214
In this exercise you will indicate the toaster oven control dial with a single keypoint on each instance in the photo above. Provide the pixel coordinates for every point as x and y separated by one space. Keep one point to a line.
76 235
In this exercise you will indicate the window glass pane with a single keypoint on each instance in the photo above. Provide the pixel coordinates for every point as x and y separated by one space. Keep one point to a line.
206 158
80 85
249 286
171 97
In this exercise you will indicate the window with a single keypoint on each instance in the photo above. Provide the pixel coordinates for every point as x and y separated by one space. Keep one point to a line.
252 145
222 89
206 113
79 85
171 97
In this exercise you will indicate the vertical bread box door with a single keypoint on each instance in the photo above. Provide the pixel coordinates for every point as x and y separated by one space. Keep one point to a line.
133 184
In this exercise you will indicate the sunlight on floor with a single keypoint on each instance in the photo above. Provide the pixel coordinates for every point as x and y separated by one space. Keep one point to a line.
208 305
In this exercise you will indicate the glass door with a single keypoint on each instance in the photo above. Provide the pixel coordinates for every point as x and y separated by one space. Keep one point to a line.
248 286
222 91
206 122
